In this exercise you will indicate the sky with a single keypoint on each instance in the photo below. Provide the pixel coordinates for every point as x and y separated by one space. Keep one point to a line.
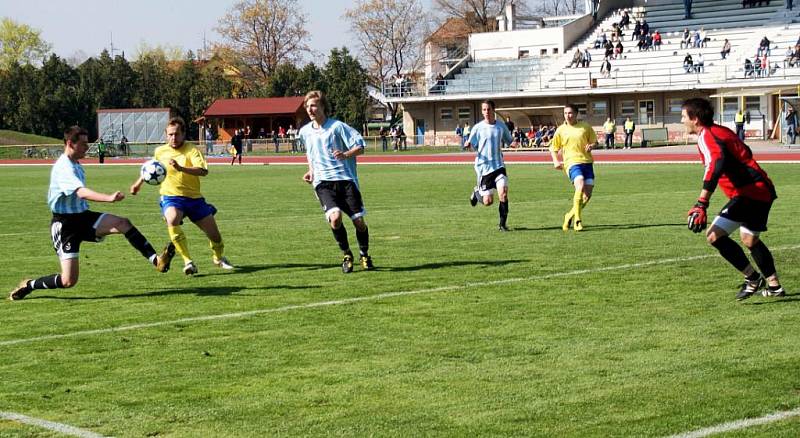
90 25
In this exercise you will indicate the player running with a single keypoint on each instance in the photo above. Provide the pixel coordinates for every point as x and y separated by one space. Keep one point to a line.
331 149
729 163
487 137
74 223
180 195
575 139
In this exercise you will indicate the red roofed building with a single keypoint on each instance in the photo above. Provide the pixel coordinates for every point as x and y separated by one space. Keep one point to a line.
262 114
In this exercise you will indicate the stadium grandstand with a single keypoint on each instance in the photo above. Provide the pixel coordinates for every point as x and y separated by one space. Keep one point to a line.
531 68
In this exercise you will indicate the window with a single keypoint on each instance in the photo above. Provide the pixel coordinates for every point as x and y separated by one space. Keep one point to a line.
647 112
464 113
600 108
543 52
752 104
628 109
555 50
729 107
446 113
581 109
674 106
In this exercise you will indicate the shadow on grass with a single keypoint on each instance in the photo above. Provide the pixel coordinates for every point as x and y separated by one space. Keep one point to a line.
789 298
439 265
205 291
602 227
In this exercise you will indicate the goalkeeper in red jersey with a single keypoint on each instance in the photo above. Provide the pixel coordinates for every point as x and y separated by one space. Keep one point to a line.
729 164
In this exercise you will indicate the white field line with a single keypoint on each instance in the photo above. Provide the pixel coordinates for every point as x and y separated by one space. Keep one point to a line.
739 424
56 427
381 296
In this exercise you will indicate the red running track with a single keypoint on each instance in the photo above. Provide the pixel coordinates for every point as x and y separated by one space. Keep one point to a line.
600 156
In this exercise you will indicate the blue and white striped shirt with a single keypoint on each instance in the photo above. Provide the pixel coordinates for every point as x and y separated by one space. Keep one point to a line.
487 140
66 178
320 144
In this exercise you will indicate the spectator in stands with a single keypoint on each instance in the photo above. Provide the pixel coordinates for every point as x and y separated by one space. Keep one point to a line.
618 49
209 141
686 41
595 6
657 40
531 135
262 133
791 125
637 31
704 39
629 127
600 41
757 67
281 133
789 4
587 58
688 64
625 21
641 43
395 139
616 32
748 68
687 9
510 125
275 141
696 41
699 63
648 42
726 49
764 66
460 135
645 27
609 49
577 58
610 129
466 136
605 68
790 59
763 46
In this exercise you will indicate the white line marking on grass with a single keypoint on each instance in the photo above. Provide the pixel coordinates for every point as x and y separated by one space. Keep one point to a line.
739 424
381 296
57 427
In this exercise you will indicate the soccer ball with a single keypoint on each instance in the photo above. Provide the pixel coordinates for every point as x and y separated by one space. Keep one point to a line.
153 172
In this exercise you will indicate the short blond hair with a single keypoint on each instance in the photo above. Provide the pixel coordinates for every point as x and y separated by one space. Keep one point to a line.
320 96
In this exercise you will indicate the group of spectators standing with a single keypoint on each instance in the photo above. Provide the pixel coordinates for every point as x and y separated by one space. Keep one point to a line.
610 131
397 136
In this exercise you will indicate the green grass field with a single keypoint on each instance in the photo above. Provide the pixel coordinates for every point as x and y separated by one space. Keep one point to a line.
8 137
628 328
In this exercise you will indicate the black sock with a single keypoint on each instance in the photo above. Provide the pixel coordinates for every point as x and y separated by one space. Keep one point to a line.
763 258
503 212
363 241
731 252
140 242
46 282
340 234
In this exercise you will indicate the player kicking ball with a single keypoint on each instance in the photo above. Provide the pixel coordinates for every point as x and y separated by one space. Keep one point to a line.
181 197
331 150
487 138
729 164
575 140
74 223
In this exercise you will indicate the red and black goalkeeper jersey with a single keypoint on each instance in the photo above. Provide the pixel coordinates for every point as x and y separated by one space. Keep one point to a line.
729 163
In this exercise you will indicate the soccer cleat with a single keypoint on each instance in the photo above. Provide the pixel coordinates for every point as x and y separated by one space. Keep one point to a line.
578 226
21 291
190 268
777 292
749 287
347 263
503 228
366 263
224 264
567 221
165 258
473 199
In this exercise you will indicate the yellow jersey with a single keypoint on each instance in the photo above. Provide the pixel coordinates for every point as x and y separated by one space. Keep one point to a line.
571 140
180 183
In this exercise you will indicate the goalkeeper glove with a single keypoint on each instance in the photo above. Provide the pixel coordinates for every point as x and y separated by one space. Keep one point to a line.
697 217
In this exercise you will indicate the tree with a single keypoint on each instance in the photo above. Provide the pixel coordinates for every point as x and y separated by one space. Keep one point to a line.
20 43
390 33
479 15
288 80
560 7
346 90
262 34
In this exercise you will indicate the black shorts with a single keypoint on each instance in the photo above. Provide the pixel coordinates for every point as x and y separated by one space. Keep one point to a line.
489 181
69 230
750 214
340 195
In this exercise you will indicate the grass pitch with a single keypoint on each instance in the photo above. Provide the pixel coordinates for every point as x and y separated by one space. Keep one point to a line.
628 328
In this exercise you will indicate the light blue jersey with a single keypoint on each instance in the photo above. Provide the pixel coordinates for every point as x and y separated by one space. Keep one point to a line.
66 178
487 140
320 144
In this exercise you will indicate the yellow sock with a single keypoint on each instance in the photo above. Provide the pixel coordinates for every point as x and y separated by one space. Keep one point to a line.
181 244
216 248
577 204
